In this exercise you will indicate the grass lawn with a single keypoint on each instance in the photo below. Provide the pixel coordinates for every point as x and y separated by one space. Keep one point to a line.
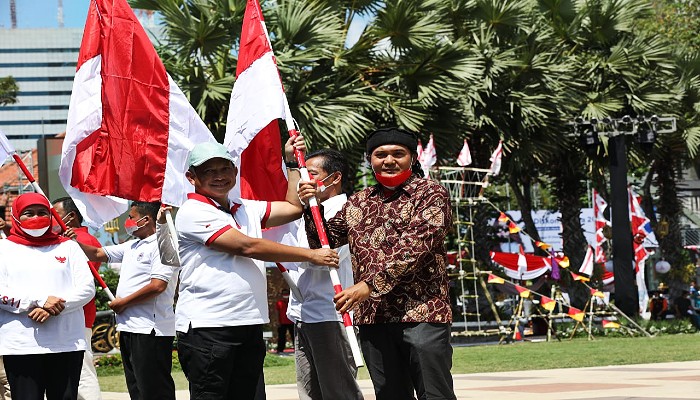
519 356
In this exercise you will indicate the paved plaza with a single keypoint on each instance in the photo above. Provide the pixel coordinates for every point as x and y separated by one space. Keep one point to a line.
663 381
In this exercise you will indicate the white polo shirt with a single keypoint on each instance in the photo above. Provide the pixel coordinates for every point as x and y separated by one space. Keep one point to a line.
140 262
28 275
314 281
218 289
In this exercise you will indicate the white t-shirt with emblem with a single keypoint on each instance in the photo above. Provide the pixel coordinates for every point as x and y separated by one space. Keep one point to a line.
140 262
314 281
218 289
28 275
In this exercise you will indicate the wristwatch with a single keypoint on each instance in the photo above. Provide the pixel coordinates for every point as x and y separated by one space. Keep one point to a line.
291 164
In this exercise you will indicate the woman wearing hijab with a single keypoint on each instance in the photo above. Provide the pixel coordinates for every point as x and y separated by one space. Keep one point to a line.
44 283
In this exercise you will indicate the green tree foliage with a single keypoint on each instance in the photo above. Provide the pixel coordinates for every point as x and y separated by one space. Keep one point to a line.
8 90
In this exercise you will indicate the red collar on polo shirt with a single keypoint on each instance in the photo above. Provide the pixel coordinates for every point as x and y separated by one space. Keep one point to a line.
205 199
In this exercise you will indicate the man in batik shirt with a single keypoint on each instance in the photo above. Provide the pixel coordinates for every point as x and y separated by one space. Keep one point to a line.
396 231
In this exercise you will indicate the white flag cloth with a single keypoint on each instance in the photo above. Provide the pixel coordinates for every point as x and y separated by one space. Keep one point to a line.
6 149
130 128
587 265
496 159
419 150
465 156
428 158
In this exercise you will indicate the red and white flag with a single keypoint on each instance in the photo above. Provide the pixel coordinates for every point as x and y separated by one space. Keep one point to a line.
428 157
599 206
465 156
257 102
6 149
419 150
587 265
496 159
641 228
130 128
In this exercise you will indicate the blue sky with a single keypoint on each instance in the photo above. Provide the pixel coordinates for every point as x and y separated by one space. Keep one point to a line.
43 13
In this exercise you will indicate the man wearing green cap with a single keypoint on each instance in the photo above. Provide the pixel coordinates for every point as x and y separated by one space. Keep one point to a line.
396 231
222 302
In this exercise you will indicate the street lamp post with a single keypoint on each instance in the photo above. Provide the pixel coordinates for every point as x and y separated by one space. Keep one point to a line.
645 130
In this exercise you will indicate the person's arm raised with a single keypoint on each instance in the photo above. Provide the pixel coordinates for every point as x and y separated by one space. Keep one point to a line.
282 212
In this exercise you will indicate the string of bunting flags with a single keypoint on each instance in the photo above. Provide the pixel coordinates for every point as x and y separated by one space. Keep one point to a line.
556 261
549 303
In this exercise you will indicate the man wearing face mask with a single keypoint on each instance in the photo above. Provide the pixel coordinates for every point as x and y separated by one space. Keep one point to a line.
89 387
143 304
324 363
396 232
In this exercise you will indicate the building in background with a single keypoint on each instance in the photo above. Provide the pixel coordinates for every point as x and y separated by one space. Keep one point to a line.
43 62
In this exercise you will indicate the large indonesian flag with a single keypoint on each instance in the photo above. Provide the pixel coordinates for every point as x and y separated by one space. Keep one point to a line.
257 102
130 128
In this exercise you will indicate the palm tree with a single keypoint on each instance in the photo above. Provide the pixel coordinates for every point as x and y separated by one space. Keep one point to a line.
405 68
623 70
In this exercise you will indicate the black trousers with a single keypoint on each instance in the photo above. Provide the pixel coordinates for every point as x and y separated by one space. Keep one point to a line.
282 330
148 362
222 363
401 357
56 374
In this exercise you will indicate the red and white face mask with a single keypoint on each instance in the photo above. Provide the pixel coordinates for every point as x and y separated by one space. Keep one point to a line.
35 226
131 226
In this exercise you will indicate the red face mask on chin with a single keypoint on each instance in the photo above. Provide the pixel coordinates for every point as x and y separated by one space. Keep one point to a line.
394 180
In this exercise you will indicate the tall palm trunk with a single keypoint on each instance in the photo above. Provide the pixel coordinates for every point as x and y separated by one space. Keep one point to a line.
569 188
669 208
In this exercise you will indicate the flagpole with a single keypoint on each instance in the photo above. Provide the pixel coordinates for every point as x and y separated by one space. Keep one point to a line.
323 238
58 219
292 286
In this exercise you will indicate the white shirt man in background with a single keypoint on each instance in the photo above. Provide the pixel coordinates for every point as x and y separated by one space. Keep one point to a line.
143 305
324 362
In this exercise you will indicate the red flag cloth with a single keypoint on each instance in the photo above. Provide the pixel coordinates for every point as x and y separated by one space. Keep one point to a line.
129 128
534 265
257 102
